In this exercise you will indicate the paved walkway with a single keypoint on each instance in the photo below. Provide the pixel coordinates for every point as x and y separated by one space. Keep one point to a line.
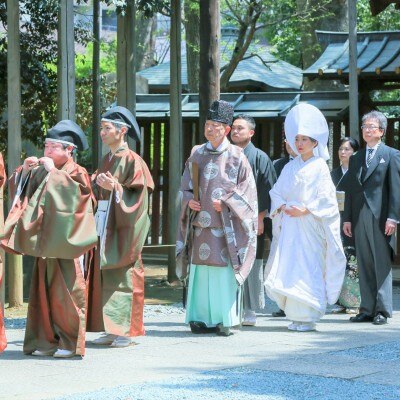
340 360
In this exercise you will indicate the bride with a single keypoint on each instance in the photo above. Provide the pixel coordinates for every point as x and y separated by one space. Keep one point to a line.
306 266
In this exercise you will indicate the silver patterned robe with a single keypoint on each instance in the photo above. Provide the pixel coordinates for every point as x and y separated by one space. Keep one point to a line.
216 238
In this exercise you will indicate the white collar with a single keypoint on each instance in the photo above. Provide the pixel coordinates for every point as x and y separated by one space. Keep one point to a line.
375 147
221 147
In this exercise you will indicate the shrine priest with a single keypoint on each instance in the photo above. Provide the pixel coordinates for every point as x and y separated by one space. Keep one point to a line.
121 185
52 219
218 227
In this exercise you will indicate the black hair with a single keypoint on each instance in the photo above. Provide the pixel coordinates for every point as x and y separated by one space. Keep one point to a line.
250 120
353 143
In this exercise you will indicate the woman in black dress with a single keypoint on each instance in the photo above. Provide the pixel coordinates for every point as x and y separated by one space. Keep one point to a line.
349 299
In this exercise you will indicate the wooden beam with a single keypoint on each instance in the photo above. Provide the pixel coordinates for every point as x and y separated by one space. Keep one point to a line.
175 138
14 262
66 62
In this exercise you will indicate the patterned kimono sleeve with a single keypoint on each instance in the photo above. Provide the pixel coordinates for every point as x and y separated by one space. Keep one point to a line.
242 200
183 237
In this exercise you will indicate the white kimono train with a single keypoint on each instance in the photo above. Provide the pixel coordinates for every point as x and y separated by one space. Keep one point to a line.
306 266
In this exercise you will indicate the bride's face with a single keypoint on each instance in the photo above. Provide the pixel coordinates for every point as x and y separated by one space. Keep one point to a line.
305 145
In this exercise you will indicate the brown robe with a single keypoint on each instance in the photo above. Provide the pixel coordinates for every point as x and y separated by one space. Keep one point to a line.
52 219
116 275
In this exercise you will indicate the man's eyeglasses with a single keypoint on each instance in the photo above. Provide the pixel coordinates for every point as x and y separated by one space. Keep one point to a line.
370 127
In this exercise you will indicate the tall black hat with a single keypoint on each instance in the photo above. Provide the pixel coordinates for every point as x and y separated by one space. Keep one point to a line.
221 111
122 116
68 132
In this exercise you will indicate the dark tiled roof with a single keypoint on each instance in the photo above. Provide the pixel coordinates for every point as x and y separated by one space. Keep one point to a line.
270 105
378 55
252 72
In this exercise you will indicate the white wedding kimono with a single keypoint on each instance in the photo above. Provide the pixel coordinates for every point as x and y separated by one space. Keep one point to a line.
306 266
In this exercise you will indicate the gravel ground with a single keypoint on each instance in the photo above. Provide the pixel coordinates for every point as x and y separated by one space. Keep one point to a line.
388 351
149 311
246 384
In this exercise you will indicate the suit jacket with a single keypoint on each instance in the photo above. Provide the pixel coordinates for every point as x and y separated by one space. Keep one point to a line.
378 186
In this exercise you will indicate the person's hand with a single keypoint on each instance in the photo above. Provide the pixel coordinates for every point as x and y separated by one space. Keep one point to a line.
390 227
217 205
294 211
347 229
30 163
47 163
105 181
194 205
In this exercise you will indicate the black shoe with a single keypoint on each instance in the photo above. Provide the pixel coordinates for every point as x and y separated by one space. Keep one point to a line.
279 313
198 327
223 330
379 319
362 317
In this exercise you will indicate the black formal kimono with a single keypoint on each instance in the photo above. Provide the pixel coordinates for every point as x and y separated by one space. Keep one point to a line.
338 180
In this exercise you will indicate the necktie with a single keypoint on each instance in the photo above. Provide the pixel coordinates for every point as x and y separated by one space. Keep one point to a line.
369 157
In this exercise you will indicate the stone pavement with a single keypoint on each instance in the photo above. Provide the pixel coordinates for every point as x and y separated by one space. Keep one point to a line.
361 353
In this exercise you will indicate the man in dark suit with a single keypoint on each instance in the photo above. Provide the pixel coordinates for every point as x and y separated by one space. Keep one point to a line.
372 211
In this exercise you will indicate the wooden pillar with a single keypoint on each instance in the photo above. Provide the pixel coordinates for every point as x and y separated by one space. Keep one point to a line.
278 139
337 132
209 56
126 74
14 262
353 78
66 62
175 137
96 112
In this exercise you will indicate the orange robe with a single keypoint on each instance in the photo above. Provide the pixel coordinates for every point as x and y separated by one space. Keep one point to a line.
53 220
116 273
3 340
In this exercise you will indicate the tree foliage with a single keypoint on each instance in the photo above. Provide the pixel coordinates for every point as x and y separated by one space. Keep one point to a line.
286 37
38 43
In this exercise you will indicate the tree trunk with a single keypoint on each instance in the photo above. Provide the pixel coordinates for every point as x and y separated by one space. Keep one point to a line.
332 18
14 262
192 29
96 150
175 138
209 56
145 32
246 35
66 62
126 51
